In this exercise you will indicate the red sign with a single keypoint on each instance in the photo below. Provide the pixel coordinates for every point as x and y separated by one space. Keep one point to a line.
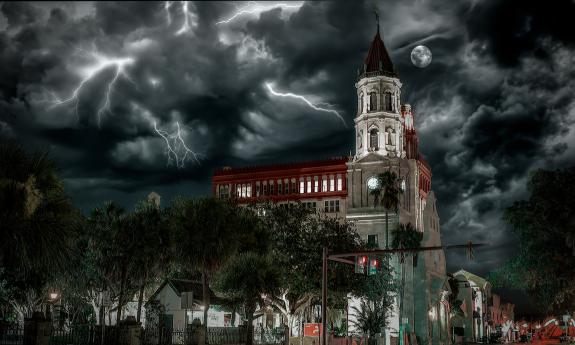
312 330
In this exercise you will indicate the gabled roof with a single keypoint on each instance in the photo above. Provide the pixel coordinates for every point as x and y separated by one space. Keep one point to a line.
183 285
378 59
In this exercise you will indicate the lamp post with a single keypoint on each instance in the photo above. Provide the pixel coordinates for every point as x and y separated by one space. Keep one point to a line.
53 297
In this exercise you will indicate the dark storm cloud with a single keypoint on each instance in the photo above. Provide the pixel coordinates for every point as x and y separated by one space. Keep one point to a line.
495 103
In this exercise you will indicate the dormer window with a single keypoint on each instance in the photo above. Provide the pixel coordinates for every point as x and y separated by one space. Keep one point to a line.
373 139
372 101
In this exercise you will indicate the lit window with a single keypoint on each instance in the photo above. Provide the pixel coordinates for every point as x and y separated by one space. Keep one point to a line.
339 183
324 184
331 183
238 190
301 187
249 190
403 185
316 185
309 185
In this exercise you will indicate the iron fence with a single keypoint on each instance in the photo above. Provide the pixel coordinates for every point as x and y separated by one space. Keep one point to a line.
92 335
11 335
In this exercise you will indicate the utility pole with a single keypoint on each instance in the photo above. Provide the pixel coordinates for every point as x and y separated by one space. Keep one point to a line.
344 258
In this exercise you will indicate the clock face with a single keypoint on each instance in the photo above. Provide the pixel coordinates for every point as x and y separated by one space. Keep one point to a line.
372 183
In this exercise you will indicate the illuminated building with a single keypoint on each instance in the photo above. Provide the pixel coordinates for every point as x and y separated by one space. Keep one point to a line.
385 140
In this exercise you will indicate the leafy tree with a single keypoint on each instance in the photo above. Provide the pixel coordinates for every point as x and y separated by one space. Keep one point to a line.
405 236
545 227
297 240
387 195
245 278
38 224
208 232
151 236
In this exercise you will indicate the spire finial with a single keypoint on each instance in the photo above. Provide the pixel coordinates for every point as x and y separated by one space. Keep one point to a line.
376 16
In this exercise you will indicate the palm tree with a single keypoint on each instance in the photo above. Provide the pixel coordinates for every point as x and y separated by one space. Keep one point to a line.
405 236
37 223
387 195
37 218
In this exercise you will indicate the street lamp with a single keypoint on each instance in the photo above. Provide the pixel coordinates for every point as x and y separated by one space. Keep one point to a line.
53 296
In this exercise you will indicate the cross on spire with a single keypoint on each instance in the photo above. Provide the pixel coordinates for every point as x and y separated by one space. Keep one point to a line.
376 16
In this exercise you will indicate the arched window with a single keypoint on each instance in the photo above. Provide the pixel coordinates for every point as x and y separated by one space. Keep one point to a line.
361 104
387 101
372 101
360 139
373 139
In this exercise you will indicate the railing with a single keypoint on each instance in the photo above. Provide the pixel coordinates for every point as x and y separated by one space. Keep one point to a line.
274 336
92 335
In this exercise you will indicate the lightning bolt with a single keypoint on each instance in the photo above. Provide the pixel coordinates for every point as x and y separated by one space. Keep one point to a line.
254 8
176 149
186 27
101 63
167 6
313 106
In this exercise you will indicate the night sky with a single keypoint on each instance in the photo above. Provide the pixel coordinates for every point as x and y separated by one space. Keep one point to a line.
497 101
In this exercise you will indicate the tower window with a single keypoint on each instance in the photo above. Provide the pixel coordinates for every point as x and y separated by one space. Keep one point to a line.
361 104
387 101
372 101
373 139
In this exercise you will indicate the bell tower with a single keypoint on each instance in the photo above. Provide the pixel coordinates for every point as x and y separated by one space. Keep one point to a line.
378 124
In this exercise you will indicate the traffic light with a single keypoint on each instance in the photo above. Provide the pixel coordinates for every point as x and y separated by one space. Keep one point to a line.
374 266
360 264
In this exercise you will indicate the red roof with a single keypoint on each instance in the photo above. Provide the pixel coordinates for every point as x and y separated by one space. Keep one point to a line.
378 59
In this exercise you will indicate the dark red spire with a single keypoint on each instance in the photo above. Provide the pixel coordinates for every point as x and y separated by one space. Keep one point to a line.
377 59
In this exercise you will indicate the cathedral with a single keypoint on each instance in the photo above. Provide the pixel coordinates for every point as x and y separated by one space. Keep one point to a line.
386 140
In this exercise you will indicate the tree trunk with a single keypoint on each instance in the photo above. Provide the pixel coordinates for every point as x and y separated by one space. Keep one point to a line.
140 300
206 298
289 318
386 229
121 295
250 310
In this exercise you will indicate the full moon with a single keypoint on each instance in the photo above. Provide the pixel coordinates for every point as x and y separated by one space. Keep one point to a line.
421 56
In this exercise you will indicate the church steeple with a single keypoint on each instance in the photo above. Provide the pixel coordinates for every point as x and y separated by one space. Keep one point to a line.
377 59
